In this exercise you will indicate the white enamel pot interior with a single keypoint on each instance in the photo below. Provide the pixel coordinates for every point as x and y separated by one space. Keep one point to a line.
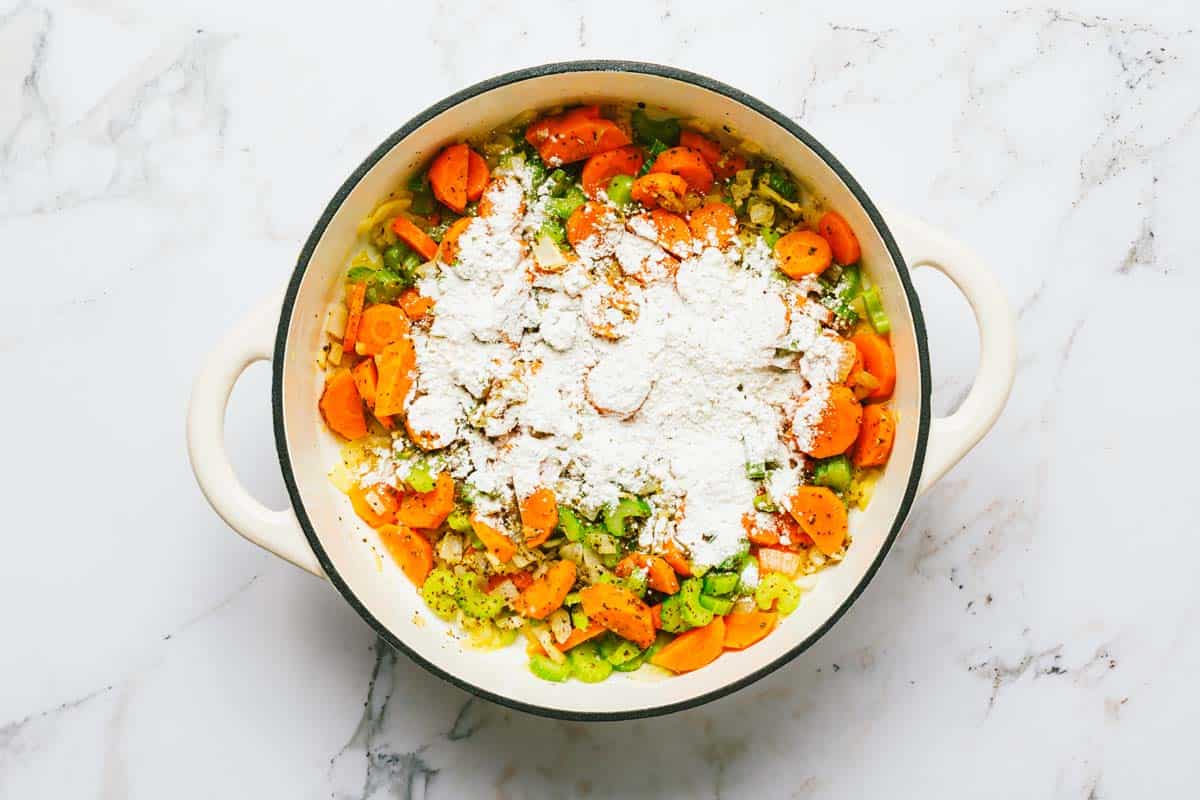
321 532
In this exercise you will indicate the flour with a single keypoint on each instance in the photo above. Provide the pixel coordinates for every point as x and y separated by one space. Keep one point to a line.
631 369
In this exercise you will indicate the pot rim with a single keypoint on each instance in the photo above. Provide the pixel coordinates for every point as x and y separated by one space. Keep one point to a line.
557 68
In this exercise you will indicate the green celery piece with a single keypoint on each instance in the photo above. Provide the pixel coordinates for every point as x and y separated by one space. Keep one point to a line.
694 614
875 313
718 605
778 590
641 658
719 584
779 182
647 130
586 663
553 227
547 670
615 516
756 471
850 285
563 207
579 619
652 152
360 275
832 472
439 591
459 521
558 182
420 478
474 601
636 583
616 650
620 190
734 562
763 502
770 236
572 599
671 615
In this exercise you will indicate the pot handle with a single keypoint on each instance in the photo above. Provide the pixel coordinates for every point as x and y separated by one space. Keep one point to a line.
952 437
251 340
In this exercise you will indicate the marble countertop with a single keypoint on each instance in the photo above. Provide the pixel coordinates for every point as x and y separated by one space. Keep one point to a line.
1030 635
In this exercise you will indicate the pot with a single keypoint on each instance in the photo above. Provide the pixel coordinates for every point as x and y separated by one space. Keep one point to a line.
319 533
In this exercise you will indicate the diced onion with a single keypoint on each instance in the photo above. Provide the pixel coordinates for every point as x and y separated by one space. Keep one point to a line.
450 548
560 625
549 257
546 640
335 320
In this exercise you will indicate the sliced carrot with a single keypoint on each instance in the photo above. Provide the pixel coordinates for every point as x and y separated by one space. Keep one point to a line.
448 250
477 175
590 219
574 136
673 556
875 438
366 380
822 515
428 510
547 593
581 635
659 575
841 238
356 294
803 253
520 579
879 360
415 238
656 616
539 515
757 534
709 150
384 497
660 189
838 426
415 304
410 550
603 167
342 406
619 610
448 176
744 628
772 560
381 325
729 165
396 364
694 649
714 224
687 164
669 230
497 543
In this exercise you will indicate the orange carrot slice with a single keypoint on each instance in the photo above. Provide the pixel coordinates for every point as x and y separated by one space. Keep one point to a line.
342 406
841 238
659 575
581 635
574 136
448 176
619 610
539 515
672 555
477 175
381 325
694 649
822 515
744 628
879 360
603 167
410 550
687 164
383 496
709 150
396 363
415 238
448 251
803 253
660 189
714 224
670 231
356 294
416 305
875 438
427 510
547 593
590 219
497 543
838 426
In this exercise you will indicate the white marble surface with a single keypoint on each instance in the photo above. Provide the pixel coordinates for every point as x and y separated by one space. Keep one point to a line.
1031 635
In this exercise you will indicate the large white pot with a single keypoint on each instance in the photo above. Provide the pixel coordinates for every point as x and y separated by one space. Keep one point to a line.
322 535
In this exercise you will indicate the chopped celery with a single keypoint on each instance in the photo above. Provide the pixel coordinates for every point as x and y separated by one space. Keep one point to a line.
601 542
756 471
579 619
467 493
850 285
641 658
719 584
439 591
648 130
734 562
360 275
572 599
875 313
636 583
671 614
547 670
474 601
615 516
763 502
558 182
553 227
393 256
420 478
569 524
778 590
459 521
620 190
832 472
770 236
563 207
694 614
781 184
616 650
652 152
586 663
718 605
